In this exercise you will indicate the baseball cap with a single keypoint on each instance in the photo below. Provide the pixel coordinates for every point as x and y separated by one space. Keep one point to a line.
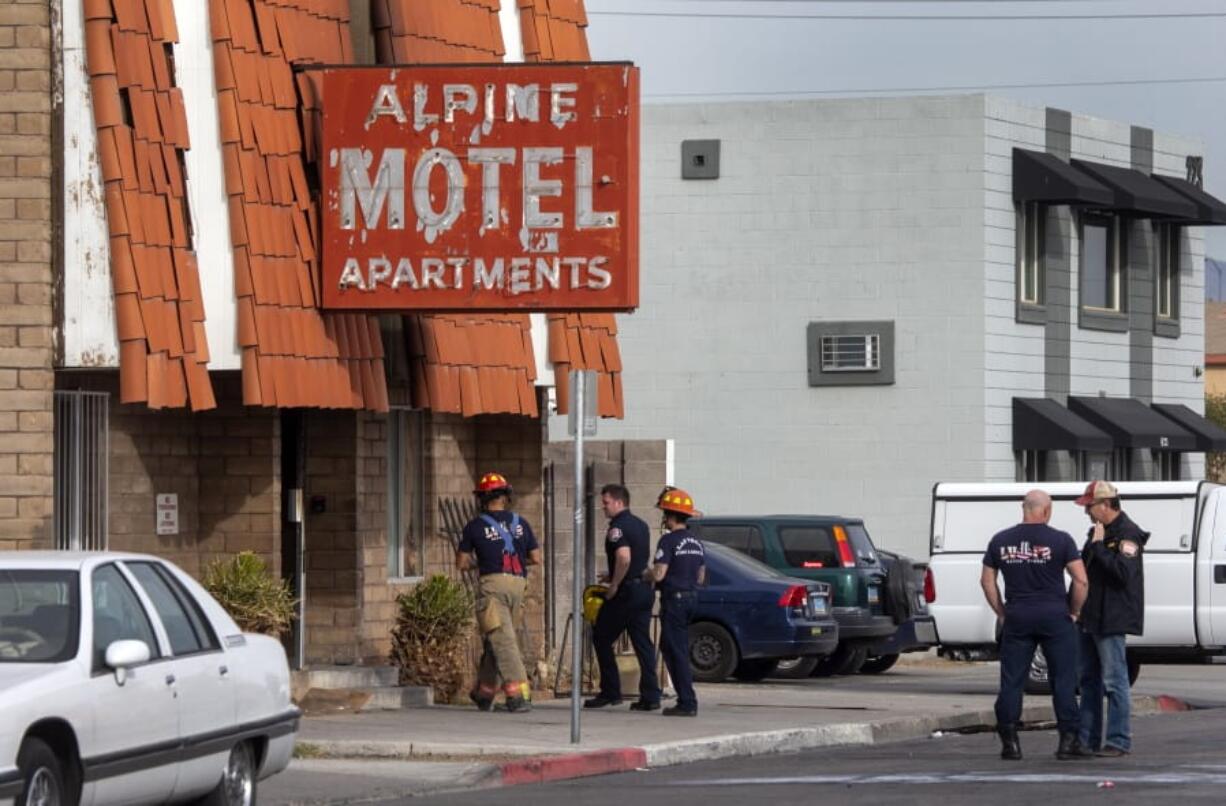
1097 491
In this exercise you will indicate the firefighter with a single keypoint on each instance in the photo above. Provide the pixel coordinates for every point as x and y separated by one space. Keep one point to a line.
627 606
501 545
678 571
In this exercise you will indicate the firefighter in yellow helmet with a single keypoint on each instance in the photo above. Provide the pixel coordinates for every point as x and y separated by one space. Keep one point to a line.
501 545
678 571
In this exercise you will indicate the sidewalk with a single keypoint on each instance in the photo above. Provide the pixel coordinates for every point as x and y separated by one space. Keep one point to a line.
448 748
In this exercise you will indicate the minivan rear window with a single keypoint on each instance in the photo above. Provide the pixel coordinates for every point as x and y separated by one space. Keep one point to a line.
808 547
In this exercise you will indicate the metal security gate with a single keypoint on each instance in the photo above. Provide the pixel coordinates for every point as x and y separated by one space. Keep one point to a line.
81 470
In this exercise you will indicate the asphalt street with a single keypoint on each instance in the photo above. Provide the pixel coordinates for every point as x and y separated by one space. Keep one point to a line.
1178 757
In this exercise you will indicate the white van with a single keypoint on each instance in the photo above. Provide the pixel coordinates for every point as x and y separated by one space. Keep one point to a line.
1185 563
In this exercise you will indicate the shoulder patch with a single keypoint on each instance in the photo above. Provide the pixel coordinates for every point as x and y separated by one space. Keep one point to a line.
615 535
1128 548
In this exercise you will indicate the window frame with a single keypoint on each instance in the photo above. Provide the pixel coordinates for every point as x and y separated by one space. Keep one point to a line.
208 641
1116 317
404 443
156 650
1168 266
882 375
1031 261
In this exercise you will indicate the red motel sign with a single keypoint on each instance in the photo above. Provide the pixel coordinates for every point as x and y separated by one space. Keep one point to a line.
481 187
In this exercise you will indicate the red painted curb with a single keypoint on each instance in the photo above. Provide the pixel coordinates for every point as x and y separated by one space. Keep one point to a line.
573 765
1168 704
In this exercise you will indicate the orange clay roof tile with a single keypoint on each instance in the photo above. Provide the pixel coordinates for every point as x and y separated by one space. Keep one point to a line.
130 64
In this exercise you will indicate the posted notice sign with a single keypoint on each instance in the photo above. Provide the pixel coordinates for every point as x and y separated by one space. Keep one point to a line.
481 187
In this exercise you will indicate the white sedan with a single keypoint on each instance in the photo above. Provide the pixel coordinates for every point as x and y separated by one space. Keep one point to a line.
122 681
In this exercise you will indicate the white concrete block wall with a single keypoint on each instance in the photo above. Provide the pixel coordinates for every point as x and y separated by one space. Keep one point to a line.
825 210
1013 352
1175 359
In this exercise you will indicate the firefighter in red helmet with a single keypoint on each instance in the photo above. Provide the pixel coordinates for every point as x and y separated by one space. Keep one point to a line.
678 571
500 544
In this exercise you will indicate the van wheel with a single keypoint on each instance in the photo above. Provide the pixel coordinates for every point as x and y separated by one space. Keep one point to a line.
42 778
751 671
846 659
879 664
237 786
795 668
713 652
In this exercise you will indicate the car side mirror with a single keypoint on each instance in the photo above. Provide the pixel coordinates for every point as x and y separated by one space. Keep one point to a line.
123 655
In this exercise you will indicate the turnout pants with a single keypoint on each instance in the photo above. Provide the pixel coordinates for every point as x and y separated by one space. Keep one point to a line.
676 610
630 612
500 600
1057 635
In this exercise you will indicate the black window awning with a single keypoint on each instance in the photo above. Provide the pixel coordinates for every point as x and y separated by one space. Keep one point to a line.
1209 435
1137 193
1210 210
1132 424
1040 424
1046 178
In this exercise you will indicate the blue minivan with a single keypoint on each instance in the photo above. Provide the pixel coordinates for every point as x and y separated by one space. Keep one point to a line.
751 616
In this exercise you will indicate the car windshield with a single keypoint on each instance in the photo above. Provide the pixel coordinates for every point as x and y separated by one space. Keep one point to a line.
39 616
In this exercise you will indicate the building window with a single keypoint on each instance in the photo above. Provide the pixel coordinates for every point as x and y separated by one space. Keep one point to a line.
1030 239
1168 464
1166 278
1103 274
79 514
851 353
1032 466
405 494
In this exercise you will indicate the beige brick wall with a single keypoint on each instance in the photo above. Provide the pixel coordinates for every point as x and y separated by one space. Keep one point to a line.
26 375
223 464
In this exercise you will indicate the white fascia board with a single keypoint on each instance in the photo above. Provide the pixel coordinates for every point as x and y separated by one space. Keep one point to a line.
512 41
206 183
88 327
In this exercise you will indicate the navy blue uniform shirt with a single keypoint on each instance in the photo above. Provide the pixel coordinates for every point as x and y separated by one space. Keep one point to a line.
1031 557
486 542
685 557
628 531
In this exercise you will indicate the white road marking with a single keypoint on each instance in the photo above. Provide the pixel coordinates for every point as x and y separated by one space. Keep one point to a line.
1185 778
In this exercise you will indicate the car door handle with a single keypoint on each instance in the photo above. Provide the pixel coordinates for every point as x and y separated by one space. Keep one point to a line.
1219 574
223 670
170 679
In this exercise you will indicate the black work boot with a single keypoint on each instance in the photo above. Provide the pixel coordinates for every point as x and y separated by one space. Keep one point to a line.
518 705
1070 748
480 700
1010 745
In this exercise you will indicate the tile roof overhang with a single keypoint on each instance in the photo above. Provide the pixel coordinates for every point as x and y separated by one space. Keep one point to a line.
142 134
292 353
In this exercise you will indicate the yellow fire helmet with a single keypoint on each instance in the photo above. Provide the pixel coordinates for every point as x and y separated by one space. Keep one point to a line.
593 598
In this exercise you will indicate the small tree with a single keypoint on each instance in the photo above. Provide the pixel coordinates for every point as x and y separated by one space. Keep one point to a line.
431 635
252 596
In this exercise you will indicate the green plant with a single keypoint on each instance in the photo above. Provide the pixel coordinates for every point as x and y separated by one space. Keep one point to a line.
431 634
253 597
1215 463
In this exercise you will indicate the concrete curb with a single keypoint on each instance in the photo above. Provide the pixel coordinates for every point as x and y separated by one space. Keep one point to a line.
539 765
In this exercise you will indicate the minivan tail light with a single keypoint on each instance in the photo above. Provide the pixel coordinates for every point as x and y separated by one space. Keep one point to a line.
930 587
794 596
846 556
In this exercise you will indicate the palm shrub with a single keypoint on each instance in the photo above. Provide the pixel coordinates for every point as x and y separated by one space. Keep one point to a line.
254 598
431 634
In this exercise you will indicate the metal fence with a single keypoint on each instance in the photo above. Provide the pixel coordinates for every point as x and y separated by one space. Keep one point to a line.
81 470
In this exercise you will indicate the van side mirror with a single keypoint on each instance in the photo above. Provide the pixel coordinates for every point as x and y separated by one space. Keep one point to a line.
123 655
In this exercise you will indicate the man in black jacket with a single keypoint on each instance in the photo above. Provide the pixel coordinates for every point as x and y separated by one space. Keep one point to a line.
1115 608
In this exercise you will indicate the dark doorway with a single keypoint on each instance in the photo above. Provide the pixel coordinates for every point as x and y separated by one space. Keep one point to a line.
293 472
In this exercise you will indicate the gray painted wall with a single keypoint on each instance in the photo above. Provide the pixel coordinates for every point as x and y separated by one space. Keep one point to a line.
824 210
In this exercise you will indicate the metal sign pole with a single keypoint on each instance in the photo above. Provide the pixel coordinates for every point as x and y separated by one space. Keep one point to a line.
579 387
